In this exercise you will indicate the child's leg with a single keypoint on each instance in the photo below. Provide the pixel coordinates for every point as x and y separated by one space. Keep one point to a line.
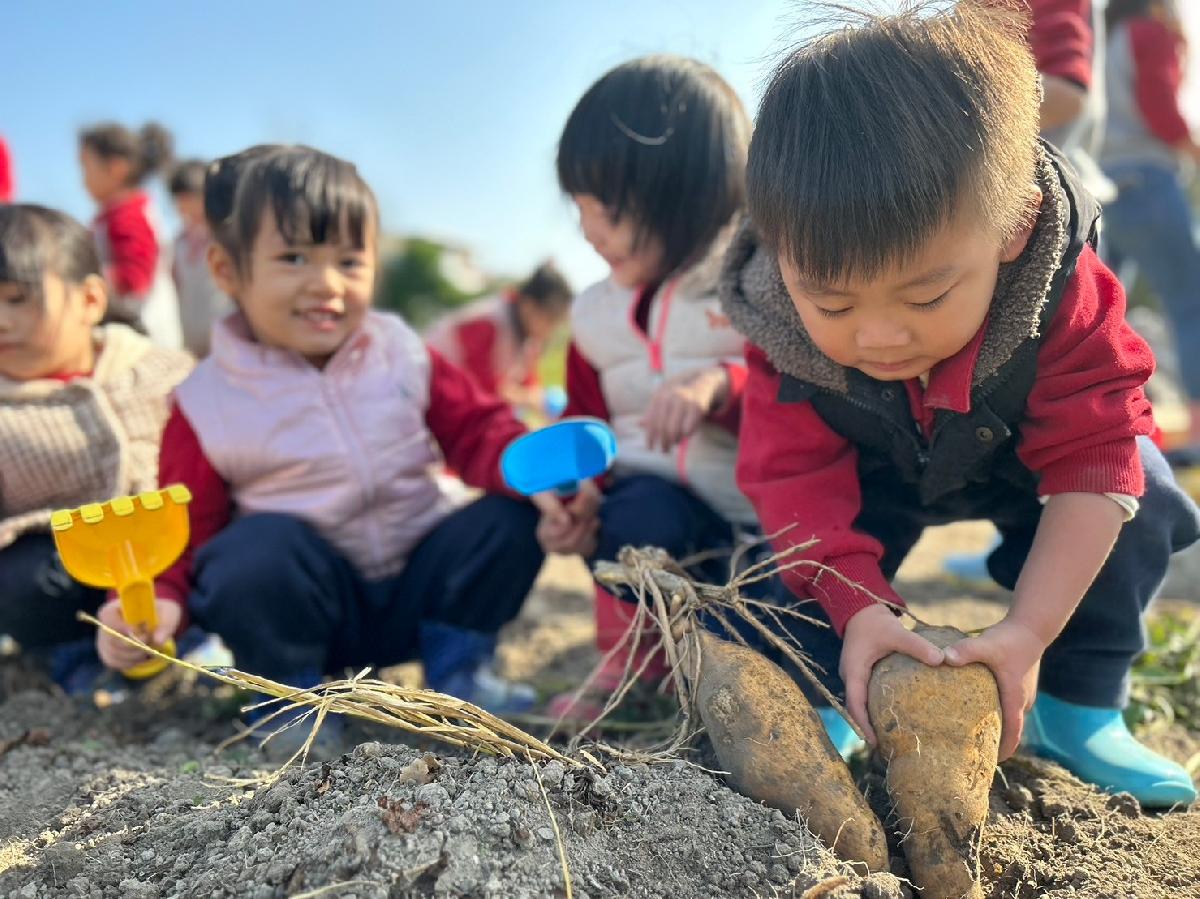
39 599
645 510
285 602
1085 672
463 582
1089 662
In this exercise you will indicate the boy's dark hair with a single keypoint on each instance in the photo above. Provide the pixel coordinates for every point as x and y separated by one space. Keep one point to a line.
148 150
663 140
874 136
311 195
546 288
187 177
36 241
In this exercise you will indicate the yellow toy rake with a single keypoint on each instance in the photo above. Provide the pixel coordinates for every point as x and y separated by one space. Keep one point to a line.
123 545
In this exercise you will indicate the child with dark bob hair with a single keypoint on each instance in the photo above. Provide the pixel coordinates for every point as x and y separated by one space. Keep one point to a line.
936 340
653 156
82 407
310 437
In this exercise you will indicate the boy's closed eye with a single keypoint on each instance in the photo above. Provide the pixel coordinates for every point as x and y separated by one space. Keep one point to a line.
930 304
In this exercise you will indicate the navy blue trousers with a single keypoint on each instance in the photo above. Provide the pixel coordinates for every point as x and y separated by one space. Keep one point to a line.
38 599
291 608
1089 662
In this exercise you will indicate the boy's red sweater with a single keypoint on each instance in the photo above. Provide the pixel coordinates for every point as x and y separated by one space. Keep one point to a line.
471 426
1084 413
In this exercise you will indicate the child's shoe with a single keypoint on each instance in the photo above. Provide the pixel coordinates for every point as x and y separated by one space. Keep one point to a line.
284 741
76 668
328 744
458 662
841 734
1095 745
485 688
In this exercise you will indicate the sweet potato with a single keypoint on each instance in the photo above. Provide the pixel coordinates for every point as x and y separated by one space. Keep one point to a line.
939 733
773 744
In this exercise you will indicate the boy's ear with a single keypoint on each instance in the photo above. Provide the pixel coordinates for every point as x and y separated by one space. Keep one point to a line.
224 270
1016 244
95 299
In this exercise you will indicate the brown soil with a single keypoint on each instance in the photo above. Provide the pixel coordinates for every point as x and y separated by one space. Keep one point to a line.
121 802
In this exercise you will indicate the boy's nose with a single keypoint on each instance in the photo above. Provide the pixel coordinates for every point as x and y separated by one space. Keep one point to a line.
882 335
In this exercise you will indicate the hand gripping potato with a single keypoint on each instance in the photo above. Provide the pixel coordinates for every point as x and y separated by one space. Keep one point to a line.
773 744
939 733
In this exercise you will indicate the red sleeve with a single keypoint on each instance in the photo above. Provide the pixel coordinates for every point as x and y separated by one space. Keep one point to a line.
1088 406
477 343
585 395
1061 39
1158 68
729 414
134 249
8 186
181 460
471 426
796 470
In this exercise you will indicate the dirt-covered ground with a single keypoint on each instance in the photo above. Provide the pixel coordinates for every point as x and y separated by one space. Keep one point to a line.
130 801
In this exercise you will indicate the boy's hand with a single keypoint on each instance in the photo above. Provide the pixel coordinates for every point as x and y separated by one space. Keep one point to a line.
680 404
870 635
121 656
1014 654
569 528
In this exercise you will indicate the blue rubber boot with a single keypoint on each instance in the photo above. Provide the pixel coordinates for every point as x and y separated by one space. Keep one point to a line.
841 734
1095 745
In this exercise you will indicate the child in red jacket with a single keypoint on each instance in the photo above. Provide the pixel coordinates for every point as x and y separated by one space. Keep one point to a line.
116 163
936 340
499 339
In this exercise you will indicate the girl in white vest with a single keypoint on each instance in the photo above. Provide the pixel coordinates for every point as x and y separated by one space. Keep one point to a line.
310 438
82 406
653 156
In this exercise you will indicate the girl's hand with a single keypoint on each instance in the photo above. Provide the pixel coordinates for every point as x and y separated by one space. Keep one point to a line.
870 635
1014 654
569 528
118 654
680 404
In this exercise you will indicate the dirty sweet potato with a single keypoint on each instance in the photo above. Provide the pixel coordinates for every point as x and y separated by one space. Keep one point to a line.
773 744
939 734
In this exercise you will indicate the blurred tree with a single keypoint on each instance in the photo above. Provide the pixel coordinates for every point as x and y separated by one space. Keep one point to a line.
416 281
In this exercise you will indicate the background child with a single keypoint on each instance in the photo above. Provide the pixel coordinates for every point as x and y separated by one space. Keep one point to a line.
937 342
653 156
320 538
499 340
81 411
1147 144
116 162
201 302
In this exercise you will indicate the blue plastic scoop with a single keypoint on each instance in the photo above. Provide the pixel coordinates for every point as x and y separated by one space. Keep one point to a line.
558 457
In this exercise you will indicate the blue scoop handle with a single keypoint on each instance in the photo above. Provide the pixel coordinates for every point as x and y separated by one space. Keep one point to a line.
559 457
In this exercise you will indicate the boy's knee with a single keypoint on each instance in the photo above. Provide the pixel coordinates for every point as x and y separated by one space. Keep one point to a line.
1165 509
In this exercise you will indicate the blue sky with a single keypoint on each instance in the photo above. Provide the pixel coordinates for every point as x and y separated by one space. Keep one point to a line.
451 110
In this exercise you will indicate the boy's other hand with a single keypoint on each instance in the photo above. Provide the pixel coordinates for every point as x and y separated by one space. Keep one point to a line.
1013 652
569 528
680 404
871 634
118 654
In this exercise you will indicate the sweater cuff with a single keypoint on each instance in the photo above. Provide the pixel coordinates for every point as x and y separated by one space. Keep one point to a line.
1109 468
860 581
